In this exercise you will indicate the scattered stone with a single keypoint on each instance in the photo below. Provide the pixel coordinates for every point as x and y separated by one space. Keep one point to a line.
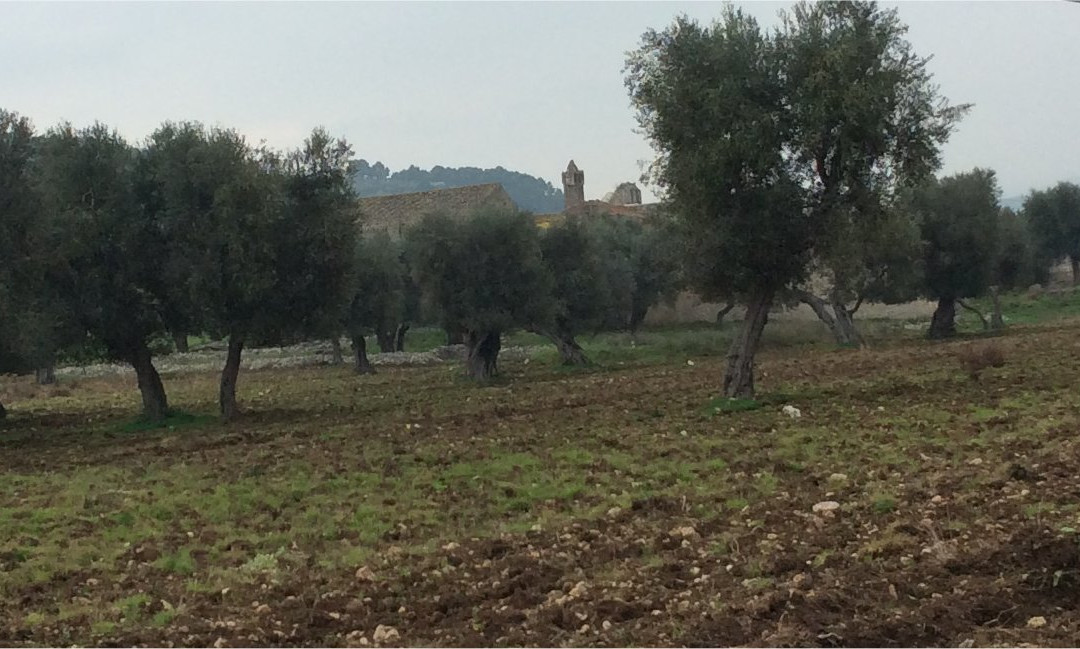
356 639
937 500
685 532
91 583
262 609
967 644
578 590
363 573
826 507
791 411
1036 622
451 546
385 634
220 642
584 628
690 363
606 625
838 477
614 511
975 461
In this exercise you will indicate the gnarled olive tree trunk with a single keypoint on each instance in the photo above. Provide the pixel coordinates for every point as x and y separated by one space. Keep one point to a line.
840 321
46 375
997 320
848 335
399 337
336 357
482 354
155 404
180 342
978 314
570 353
739 377
943 323
229 374
454 336
3 412
363 365
385 338
1075 263
722 313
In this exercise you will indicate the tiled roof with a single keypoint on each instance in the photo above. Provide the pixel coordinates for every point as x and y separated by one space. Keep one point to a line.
397 212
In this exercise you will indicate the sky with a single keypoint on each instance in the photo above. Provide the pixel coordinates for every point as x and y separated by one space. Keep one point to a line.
526 85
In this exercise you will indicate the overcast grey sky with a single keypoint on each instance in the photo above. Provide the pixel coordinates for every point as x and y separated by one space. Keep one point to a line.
523 85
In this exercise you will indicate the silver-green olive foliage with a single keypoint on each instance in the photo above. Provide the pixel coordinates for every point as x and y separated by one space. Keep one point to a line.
484 273
779 147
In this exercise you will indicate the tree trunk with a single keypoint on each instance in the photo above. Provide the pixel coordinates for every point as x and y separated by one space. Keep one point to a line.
739 377
227 394
455 336
180 342
943 324
363 365
821 310
723 312
3 412
482 354
570 353
847 334
1075 270
997 320
385 338
978 313
155 403
335 351
399 337
46 375
637 316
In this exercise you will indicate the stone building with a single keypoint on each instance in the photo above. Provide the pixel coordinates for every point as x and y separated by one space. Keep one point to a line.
573 182
624 194
624 201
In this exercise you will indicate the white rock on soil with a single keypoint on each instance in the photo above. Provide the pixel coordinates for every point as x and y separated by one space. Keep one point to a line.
826 507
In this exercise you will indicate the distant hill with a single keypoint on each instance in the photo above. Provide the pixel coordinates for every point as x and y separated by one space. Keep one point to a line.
1017 202
528 192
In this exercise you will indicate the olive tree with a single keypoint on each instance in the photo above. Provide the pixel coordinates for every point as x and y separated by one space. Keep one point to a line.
378 293
959 219
110 280
774 148
19 226
485 276
866 122
711 100
1054 215
259 245
584 290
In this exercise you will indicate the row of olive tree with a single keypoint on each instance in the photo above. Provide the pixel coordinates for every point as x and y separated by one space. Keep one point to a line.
495 272
194 231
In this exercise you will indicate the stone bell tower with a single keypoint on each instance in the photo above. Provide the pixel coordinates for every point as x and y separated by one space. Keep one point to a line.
573 183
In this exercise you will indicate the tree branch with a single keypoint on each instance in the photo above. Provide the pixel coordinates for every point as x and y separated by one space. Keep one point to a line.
982 318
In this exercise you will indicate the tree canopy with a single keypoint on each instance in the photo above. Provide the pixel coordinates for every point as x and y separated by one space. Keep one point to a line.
774 146
959 217
1054 215
484 275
